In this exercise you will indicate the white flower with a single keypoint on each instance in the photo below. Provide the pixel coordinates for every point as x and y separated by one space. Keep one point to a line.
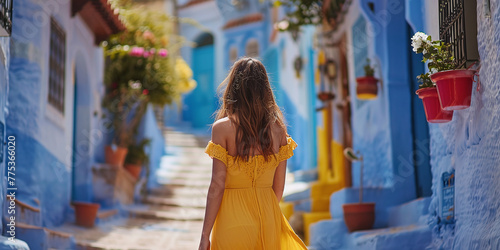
418 40
135 85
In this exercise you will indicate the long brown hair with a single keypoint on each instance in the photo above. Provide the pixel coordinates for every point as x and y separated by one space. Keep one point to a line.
248 102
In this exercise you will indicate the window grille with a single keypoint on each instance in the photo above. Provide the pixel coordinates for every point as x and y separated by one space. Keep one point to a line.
458 26
57 61
5 17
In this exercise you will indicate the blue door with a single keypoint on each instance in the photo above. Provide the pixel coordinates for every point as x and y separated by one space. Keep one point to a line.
200 104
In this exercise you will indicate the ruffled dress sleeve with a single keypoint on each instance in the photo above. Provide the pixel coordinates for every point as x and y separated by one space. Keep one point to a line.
286 151
216 151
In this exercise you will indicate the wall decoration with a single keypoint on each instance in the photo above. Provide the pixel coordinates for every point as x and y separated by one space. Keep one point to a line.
447 207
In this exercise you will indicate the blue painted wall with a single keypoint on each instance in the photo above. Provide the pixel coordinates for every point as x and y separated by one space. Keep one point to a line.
4 87
201 103
382 128
149 129
43 180
470 145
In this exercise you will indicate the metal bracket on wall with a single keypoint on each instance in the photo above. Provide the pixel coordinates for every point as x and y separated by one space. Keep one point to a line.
379 71
487 8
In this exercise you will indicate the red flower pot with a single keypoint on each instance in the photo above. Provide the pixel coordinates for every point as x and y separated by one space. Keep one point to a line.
433 110
359 216
85 213
454 88
367 87
116 157
134 169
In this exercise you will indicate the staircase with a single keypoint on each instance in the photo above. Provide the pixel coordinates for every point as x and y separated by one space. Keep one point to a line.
397 227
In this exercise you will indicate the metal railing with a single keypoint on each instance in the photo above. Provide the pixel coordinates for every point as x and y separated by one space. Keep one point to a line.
6 17
458 26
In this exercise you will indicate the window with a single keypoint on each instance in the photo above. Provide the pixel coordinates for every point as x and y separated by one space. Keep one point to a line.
252 48
458 26
233 54
5 17
57 61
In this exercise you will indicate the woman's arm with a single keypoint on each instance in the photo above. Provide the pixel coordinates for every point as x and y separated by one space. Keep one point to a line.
215 191
279 180
280 174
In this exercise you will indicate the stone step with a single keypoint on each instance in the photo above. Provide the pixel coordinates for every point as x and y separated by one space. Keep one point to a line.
185 183
411 237
165 213
176 191
413 212
178 167
184 175
196 202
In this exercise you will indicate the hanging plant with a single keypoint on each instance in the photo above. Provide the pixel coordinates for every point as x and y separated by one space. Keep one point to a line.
454 87
367 88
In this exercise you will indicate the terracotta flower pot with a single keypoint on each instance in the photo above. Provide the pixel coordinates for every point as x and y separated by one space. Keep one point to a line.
85 213
359 216
454 88
326 96
433 111
367 87
134 169
116 157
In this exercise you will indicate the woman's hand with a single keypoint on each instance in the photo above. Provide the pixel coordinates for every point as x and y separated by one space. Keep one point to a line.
204 244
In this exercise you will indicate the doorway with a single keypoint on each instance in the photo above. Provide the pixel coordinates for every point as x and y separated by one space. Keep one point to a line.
200 104
81 160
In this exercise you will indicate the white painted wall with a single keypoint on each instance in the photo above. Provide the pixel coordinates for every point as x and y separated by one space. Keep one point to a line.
56 129
208 16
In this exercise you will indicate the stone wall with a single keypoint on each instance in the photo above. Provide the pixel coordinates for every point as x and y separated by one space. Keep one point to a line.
470 146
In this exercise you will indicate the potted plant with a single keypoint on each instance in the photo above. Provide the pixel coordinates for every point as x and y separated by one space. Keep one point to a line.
136 157
454 86
85 213
358 216
367 85
428 93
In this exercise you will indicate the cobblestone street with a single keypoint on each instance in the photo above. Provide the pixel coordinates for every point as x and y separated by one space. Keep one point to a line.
172 216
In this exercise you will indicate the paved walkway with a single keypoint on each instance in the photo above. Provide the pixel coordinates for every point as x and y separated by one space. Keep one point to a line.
172 216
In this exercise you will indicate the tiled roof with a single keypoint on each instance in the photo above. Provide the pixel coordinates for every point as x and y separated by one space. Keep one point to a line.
193 2
99 16
252 18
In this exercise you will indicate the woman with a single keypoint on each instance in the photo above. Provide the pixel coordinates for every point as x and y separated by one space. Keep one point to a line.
249 148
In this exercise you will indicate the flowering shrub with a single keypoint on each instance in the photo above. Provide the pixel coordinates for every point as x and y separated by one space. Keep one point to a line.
139 70
436 53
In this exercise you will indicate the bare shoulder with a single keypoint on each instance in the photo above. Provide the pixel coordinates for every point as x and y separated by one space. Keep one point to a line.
221 130
280 134
223 123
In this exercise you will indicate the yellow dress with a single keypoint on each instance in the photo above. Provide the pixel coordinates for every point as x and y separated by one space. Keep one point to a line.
249 217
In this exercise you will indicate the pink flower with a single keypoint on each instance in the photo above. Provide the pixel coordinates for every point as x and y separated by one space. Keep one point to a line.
148 35
146 54
163 52
137 51
145 92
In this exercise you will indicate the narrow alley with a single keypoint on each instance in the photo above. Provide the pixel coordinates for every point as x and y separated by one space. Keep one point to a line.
171 218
